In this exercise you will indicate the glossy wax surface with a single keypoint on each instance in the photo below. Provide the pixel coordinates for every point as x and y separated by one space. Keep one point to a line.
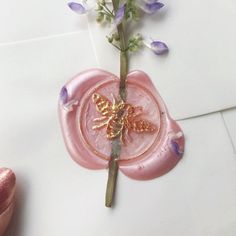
136 143
144 156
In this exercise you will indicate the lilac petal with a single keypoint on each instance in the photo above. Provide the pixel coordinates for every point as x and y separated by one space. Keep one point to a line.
176 148
77 7
119 14
159 47
150 6
153 7
64 95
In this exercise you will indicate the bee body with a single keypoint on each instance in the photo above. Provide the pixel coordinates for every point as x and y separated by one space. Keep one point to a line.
115 127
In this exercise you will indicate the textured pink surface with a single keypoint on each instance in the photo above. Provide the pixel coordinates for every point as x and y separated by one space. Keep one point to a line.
7 191
145 156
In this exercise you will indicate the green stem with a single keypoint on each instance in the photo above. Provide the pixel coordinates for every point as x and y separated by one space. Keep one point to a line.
116 143
112 172
123 62
107 13
107 9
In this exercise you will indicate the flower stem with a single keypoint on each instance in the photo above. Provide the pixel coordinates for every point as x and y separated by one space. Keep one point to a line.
123 62
116 143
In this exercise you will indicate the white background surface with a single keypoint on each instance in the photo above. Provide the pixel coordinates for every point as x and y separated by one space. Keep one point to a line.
42 45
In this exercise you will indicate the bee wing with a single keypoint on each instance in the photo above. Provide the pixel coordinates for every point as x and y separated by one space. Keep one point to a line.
141 126
103 104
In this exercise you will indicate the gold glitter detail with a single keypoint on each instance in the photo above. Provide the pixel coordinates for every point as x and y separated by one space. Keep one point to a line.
119 118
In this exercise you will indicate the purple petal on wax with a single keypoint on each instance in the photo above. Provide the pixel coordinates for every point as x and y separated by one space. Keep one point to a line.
64 95
119 14
176 148
77 7
159 47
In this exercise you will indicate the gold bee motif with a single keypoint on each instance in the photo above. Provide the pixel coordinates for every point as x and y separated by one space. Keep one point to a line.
119 118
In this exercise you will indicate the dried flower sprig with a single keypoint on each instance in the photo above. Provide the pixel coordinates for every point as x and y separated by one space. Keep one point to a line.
119 13
129 10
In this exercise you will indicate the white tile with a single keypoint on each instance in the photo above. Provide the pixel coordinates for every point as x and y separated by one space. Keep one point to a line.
198 75
229 117
26 19
57 197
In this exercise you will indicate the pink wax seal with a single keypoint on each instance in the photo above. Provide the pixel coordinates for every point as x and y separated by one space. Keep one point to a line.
7 192
144 155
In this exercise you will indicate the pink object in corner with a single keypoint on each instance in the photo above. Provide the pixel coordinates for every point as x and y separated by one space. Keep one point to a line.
7 192
145 156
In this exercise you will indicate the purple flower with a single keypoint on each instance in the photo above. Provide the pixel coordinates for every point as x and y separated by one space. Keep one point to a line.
150 6
64 95
153 7
157 47
79 8
120 14
83 6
